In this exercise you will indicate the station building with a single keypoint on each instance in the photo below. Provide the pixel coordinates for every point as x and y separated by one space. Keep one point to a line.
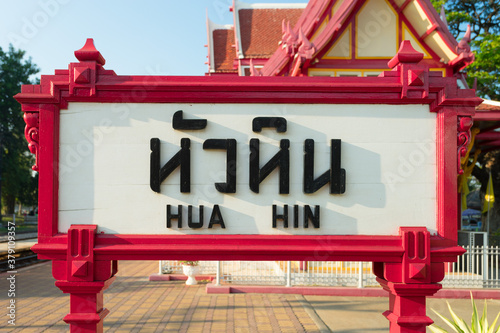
332 38
343 38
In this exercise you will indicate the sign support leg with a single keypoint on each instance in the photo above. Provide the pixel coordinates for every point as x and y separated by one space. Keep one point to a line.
407 310
410 282
86 305
85 279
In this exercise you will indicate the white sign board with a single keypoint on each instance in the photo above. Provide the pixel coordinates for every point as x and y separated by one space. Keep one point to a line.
387 153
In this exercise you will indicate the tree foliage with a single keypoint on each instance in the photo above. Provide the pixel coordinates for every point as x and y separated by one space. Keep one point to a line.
483 16
486 67
15 173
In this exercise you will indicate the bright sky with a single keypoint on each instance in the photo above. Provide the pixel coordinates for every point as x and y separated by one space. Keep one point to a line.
162 37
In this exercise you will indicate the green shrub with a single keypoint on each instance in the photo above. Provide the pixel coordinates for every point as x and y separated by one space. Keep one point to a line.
478 325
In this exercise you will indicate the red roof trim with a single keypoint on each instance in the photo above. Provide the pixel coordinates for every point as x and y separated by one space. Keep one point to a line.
280 61
435 19
314 9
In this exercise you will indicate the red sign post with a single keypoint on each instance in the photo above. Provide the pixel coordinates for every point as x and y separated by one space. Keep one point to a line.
150 160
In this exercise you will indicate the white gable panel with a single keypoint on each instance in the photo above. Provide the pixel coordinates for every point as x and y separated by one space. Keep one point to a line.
376 30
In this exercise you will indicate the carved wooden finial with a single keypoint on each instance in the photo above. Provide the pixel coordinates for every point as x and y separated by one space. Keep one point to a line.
442 16
463 46
89 53
292 37
289 41
84 74
465 55
406 55
306 48
414 76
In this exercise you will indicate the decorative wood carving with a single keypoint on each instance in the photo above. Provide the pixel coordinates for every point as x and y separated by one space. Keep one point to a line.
306 48
414 77
83 75
463 139
465 55
31 132
289 39
463 48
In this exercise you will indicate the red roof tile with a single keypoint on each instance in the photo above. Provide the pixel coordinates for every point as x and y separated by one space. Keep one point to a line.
487 107
260 29
224 52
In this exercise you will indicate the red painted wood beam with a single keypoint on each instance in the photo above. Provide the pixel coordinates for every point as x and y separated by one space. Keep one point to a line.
428 32
367 63
394 5
486 116
403 6
491 143
488 136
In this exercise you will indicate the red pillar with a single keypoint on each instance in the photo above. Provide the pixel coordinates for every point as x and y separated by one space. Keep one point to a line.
410 282
85 279
407 310
86 305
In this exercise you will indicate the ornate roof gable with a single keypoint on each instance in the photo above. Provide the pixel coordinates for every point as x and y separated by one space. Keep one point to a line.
355 34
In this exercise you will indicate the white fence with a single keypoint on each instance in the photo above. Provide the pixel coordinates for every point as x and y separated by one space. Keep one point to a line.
477 268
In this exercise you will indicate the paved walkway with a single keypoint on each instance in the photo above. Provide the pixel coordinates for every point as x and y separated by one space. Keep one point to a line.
138 305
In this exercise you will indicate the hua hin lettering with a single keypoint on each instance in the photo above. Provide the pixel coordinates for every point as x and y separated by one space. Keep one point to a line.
335 176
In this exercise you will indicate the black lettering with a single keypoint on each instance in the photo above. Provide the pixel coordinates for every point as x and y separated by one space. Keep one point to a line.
277 122
191 223
281 159
336 175
179 123
230 146
216 218
154 165
337 179
295 216
182 158
177 216
283 217
309 216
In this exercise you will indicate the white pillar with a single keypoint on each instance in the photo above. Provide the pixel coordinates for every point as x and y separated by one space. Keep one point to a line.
217 276
485 260
360 275
288 273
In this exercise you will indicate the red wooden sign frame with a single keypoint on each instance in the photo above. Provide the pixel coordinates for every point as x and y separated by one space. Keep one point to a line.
408 265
